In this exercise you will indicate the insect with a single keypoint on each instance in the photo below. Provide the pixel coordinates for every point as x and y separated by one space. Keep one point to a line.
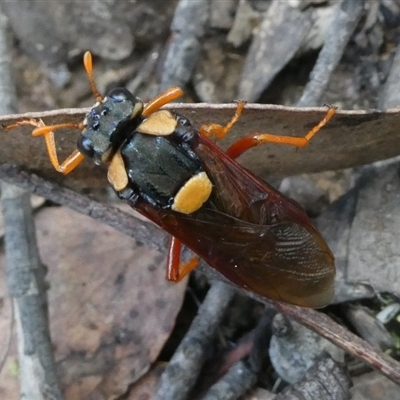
176 176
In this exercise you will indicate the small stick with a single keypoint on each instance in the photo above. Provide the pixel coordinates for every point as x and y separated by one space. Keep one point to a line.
182 371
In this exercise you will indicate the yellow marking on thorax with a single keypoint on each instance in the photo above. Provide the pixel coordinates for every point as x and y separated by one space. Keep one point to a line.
193 194
160 123
117 175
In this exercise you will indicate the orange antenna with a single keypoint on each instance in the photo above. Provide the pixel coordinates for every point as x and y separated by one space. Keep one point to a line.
88 63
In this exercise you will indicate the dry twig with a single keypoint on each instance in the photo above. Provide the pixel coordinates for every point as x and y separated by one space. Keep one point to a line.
184 367
315 320
187 30
340 31
25 272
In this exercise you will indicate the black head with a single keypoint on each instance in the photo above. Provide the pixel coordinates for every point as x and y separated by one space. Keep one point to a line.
106 123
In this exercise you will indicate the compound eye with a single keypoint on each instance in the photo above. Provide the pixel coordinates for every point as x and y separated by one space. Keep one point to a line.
121 94
85 146
183 121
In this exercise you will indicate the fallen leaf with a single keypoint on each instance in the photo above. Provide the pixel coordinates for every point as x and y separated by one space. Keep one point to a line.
145 388
373 386
373 250
351 138
111 309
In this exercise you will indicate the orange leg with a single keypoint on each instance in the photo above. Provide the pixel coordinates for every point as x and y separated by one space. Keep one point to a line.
72 161
218 131
75 158
255 139
176 271
162 99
